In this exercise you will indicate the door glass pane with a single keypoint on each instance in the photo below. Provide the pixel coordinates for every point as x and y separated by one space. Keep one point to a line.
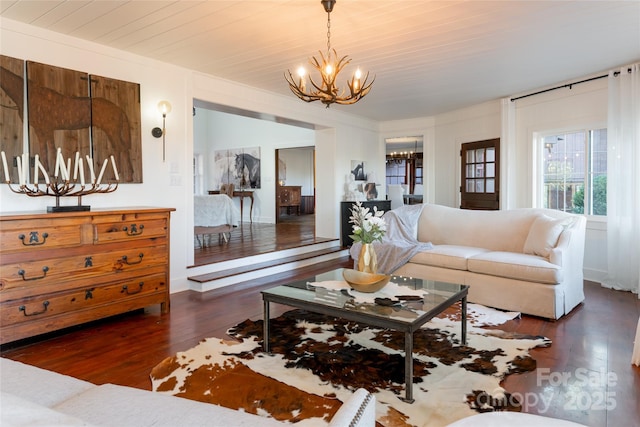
480 155
470 171
479 170
479 185
491 186
491 170
491 154
470 156
471 186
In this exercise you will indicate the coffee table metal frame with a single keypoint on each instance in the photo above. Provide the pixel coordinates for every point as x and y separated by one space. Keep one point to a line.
285 294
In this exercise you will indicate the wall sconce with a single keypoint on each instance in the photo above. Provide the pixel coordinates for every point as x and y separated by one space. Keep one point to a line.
164 107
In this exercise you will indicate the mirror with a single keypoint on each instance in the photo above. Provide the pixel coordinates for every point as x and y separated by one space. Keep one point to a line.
404 165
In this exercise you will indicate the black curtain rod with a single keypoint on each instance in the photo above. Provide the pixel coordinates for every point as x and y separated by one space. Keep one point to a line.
569 85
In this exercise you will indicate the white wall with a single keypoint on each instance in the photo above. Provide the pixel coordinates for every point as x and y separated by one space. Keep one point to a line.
170 183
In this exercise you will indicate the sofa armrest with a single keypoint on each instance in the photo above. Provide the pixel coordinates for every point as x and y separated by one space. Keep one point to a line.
358 411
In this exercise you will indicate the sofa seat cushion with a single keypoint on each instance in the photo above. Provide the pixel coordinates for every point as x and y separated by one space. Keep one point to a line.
447 256
518 266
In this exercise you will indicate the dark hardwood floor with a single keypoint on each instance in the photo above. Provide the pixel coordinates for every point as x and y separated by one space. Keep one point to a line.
586 370
257 238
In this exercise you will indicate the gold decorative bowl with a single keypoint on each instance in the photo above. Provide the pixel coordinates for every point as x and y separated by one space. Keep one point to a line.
365 282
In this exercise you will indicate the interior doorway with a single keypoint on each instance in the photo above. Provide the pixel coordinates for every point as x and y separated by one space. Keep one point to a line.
480 180
295 190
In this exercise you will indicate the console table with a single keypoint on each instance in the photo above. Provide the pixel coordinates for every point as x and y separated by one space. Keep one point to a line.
345 213
242 194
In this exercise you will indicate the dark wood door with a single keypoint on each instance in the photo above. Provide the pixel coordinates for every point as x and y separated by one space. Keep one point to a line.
480 183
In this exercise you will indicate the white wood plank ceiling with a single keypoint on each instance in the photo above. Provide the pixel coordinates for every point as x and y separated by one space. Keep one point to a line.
428 57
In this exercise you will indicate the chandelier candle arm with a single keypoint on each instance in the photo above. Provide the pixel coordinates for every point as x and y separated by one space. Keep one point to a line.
62 185
91 171
6 167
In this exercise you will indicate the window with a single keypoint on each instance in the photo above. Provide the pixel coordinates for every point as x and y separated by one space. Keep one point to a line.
574 172
405 170
396 170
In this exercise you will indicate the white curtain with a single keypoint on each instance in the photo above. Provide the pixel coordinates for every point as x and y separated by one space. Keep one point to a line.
508 175
623 180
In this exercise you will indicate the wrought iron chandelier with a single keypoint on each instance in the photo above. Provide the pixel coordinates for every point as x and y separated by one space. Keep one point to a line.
329 67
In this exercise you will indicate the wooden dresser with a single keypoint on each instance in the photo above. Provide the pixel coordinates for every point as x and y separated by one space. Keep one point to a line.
289 196
63 269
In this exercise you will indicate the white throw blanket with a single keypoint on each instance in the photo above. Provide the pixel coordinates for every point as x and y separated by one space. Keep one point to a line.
400 242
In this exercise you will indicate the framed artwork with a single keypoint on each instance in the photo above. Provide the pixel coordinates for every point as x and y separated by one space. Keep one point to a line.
240 167
358 170
370 191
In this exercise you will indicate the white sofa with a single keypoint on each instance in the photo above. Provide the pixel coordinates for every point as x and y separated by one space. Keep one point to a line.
31 396
526 260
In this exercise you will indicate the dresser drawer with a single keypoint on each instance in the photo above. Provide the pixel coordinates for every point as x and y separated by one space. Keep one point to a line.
28 236
26 278
90 297
114 228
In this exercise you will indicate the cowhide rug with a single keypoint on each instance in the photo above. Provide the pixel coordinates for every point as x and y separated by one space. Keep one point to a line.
317 362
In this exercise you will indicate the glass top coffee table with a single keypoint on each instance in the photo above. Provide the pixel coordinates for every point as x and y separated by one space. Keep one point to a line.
408 317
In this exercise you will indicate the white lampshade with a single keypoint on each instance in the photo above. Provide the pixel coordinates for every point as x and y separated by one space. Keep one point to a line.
164 107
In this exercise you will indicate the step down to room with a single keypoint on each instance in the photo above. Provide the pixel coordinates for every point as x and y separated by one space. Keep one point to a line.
249 268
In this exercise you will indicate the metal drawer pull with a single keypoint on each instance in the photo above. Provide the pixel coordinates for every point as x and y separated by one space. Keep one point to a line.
23 309
44 270
125 289
134 230
126 261
34 239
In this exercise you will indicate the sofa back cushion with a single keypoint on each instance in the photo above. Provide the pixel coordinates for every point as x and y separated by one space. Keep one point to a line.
502 230
544 234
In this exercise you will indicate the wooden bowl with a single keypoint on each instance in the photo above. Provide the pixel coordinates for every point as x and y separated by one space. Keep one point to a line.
365 282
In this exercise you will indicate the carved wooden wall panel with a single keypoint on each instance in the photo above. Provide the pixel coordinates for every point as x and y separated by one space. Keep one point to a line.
116 126
73 111
11 110
59 112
